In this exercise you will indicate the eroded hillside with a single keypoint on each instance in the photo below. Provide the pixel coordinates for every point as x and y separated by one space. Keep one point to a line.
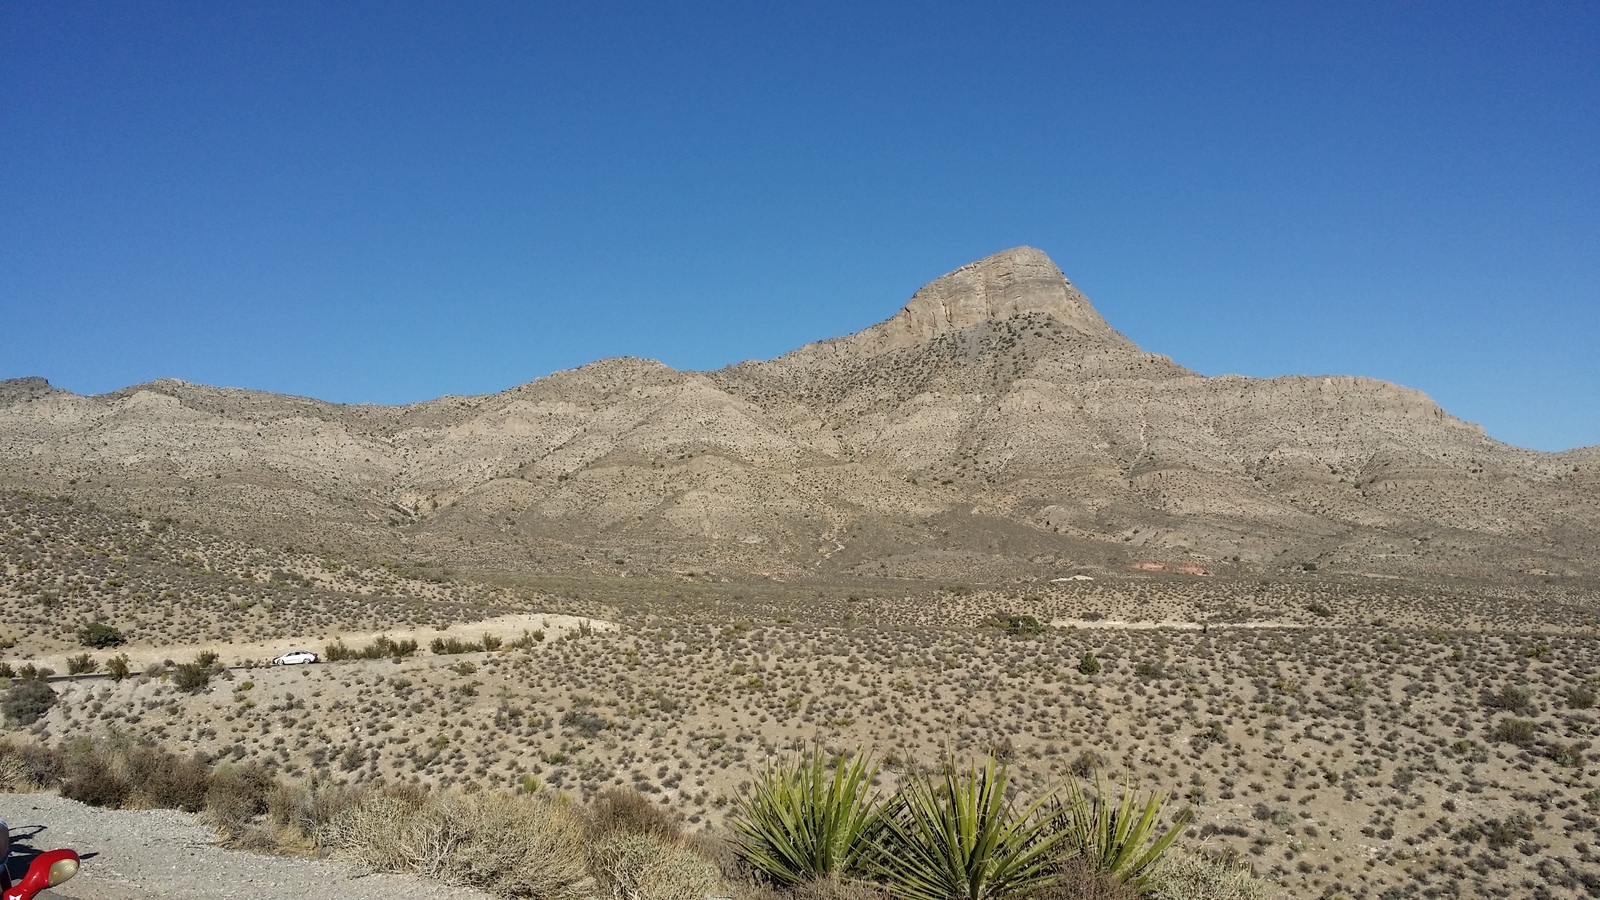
996 424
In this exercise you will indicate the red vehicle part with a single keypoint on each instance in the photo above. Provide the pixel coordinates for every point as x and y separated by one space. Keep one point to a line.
48 870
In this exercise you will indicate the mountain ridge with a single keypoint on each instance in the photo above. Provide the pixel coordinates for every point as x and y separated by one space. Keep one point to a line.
996 417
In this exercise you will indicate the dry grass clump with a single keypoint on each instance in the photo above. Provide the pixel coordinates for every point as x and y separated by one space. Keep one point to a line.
1080 878
626 810
648 867
838 889
510 845
1186 877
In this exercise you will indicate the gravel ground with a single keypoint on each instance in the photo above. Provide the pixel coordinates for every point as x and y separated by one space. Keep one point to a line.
163 853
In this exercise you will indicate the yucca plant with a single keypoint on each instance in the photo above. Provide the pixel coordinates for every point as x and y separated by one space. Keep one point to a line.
1125 838
957 837
805 820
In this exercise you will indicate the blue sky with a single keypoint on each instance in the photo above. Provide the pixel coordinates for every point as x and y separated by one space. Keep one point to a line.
387 202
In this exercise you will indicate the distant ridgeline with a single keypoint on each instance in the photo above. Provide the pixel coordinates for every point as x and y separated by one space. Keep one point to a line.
995 427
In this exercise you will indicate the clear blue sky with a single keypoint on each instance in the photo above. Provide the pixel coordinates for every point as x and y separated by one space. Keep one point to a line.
391 201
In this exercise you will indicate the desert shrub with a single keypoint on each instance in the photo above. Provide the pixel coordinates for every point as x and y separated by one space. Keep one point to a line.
1521 732
527 640
1078 878
1511 698
1017 625
382 647
236 796
118 667
165 780
647 867
587 723
958 835
839 889
100 636
27 766
1124 838
1089 664
1565 754
1581 697
448 646
507 844
27 700
1198 878
82 664
1085 764
1508 833
191 677
89 776
804 819
374 830
624 810
311 811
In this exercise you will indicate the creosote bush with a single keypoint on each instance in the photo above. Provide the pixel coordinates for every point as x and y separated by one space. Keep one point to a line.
1521 732
100 636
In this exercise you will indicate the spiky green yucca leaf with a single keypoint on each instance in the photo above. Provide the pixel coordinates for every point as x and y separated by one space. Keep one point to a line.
804 820
957 837
1124 838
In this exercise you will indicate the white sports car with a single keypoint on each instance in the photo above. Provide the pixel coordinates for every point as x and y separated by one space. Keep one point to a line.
295 658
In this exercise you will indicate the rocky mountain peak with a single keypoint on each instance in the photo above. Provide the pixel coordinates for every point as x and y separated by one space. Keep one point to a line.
1010 283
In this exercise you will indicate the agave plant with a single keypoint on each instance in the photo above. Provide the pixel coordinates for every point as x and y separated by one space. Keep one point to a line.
957 837
804 820
1124 839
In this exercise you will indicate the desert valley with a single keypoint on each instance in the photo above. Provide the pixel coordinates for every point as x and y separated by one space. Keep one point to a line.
1352 635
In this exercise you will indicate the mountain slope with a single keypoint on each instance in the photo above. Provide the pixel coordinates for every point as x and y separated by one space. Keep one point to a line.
995 426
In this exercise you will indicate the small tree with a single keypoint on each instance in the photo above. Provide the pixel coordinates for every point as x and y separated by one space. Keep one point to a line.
1089 664
100 636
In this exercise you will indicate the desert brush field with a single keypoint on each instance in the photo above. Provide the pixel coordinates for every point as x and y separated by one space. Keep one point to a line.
1339 735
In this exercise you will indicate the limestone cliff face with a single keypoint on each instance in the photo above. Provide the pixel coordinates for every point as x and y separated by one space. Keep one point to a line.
996 417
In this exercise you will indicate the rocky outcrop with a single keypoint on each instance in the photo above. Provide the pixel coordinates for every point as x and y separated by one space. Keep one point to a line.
1011 283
